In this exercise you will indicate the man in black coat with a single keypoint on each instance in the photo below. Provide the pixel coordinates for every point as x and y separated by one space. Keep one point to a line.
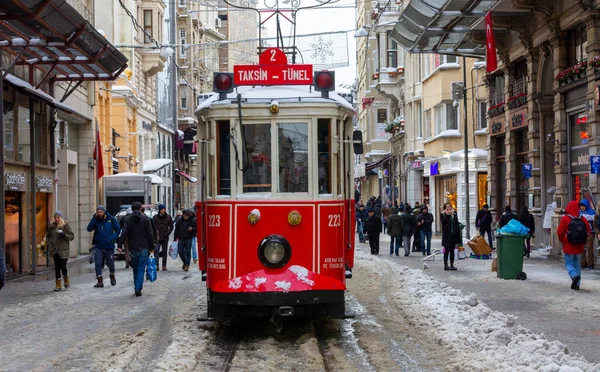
164 228
424 222
137 229
373 226
483 221
185 231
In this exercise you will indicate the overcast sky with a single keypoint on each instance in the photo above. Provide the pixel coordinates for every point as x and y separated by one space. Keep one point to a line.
323 20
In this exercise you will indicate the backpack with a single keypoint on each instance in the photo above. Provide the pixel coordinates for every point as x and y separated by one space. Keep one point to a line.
576 230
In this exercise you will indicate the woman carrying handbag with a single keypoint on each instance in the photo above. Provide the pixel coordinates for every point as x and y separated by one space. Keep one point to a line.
58 236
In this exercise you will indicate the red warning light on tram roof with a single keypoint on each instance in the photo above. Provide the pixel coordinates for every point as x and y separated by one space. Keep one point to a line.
273 70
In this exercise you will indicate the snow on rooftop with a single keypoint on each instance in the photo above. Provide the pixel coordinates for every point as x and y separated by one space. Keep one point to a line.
283 94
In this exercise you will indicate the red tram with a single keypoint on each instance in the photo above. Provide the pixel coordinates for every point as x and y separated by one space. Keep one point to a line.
276 210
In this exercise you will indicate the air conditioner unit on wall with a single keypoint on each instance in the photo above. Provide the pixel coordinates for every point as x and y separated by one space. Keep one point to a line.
218 22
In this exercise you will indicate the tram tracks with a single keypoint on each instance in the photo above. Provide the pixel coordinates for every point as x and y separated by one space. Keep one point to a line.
303 344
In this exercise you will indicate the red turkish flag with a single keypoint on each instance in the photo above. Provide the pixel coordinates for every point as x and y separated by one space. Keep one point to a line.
98 156
490 45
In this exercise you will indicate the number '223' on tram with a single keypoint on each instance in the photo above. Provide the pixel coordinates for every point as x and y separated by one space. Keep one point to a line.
276 210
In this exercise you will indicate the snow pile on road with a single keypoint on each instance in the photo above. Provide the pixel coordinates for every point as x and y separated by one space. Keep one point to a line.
477 337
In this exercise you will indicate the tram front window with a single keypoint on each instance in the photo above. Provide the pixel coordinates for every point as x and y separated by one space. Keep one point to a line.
293 157
257 177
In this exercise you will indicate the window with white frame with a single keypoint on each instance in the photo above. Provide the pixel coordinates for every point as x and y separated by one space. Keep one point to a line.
392 51
427 123
446 117
182 41
418 120
444 59
482 115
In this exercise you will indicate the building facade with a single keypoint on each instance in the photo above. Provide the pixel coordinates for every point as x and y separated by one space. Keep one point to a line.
545 100
49 130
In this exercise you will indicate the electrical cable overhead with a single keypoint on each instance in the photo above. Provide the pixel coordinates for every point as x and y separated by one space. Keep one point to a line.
137 25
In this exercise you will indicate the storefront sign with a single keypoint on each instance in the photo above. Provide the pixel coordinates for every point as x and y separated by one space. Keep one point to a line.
580 160
434 169
416 164
14 181
497 127
595 163
527 170
517 120
43 184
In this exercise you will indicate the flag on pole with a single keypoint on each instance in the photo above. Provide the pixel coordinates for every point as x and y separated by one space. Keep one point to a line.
98 156
490 45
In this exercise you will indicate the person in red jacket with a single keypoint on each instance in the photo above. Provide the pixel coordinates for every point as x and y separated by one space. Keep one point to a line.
572 251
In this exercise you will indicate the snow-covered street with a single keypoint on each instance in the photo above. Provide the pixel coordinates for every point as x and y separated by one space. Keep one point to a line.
405 319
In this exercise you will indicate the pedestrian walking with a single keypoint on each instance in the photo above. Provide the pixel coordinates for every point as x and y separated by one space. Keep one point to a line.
450 234
528 221
185 230
416 244
58 237
178 216
385 214
424 221
106 232
394 231
164 226
138 231
572 232
407 222
483 222
373 227
506 217
587 258
361 216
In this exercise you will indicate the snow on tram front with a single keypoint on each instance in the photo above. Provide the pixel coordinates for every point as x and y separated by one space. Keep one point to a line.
276 210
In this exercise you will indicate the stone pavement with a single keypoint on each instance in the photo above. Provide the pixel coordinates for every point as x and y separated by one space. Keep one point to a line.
544 303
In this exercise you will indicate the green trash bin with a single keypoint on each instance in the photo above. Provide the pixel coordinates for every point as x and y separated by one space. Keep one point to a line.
510 256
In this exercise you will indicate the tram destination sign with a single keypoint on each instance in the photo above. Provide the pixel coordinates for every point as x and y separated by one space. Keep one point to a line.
273 69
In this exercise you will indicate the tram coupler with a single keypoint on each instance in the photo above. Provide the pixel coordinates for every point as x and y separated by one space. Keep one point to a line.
285 311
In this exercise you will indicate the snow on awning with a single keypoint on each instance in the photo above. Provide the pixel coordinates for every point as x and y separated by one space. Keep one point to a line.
188 177
155 179
154 165
53 37
38 93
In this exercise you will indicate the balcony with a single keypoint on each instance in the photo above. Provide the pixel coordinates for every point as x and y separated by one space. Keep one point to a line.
519 97
497 105
153 61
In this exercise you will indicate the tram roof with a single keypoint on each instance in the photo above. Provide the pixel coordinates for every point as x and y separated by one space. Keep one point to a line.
281 94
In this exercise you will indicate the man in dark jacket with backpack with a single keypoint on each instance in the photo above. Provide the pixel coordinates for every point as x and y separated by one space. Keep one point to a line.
185 231
164 227
106 232
138 232
424 222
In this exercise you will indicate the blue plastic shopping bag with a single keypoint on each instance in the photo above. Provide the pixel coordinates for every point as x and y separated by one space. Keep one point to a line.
514 227
151 268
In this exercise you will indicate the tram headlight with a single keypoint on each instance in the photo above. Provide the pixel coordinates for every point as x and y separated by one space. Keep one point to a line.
274 251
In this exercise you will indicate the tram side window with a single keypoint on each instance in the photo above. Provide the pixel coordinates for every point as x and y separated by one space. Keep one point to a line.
324 155
224 155
293 157
257 176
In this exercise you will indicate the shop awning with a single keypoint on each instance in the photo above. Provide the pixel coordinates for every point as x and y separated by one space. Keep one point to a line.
187 177
25 87
154 165
374 165
53 37
452 27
